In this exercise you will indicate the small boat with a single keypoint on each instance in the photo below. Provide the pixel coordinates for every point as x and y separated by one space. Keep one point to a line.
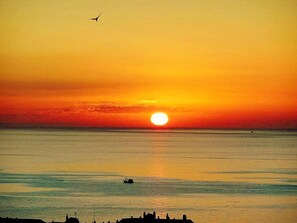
128 181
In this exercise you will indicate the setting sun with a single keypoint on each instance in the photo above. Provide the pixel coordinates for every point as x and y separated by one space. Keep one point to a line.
159 118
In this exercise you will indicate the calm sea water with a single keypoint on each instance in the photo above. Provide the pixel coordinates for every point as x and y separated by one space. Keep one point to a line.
212 176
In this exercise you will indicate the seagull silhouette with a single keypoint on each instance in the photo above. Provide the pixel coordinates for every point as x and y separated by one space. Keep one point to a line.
96 18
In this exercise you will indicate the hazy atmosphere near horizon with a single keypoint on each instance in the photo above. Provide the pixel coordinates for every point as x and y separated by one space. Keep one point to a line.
194 100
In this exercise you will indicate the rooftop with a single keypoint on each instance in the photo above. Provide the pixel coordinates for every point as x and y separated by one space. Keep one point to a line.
151 218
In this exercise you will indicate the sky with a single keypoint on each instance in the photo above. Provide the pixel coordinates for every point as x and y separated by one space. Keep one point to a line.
206 63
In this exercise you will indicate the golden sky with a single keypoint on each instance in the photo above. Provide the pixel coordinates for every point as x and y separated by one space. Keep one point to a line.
206 63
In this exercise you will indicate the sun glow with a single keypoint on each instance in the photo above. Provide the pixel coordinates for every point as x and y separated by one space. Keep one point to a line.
159 118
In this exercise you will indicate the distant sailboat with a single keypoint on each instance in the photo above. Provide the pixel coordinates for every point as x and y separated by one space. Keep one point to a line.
96 18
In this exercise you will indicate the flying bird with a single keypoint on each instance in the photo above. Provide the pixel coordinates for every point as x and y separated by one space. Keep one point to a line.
96 18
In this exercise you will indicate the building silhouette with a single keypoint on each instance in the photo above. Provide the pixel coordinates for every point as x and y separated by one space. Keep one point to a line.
19 220
146 218
151 218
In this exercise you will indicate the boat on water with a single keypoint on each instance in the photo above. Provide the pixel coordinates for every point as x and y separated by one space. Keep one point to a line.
128 181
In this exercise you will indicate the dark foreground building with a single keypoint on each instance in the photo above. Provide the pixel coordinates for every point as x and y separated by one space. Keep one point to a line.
151 218
146 218
16 220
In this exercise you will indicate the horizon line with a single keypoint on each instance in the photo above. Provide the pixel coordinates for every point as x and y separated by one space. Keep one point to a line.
141 128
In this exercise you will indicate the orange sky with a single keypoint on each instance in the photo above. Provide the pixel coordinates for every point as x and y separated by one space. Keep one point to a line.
207 64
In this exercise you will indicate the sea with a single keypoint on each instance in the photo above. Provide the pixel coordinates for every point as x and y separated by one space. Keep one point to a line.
212 176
